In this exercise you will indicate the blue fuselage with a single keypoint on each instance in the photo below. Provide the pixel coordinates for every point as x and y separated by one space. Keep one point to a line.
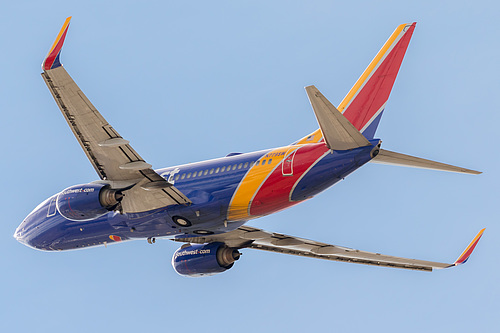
211 186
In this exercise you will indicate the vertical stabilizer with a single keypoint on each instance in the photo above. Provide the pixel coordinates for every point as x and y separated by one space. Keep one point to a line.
364 104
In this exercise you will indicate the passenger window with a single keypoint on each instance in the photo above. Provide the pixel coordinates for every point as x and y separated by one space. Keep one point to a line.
257 163
245 165
183 176
263 162
234 167
222 169
177 177
217 170
270 160
211 171
188 175
240 165
200 173
205 173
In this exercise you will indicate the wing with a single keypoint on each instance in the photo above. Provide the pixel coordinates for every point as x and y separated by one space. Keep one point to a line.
113 158
249 237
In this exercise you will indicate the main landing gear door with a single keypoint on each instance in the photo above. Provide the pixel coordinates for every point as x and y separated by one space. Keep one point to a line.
287 166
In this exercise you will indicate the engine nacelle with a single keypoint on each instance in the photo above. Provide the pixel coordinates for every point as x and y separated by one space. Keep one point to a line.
196 260
87 201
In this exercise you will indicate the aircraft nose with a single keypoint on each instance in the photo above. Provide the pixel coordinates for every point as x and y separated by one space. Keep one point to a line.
20 233
32 235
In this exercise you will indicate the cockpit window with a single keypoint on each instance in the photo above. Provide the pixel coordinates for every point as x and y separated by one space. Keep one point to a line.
52 207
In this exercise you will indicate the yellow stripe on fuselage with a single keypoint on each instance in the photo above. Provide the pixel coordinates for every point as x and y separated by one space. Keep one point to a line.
314 137
250 184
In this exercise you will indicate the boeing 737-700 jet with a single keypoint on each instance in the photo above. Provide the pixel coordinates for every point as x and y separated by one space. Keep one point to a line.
206 205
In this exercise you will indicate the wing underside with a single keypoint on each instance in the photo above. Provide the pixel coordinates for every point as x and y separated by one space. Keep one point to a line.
249 237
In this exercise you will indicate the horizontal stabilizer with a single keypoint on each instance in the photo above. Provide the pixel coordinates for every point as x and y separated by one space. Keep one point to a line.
338 132
393 158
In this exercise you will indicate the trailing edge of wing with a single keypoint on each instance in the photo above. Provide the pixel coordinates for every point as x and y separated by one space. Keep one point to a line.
338 132
249 237
393 158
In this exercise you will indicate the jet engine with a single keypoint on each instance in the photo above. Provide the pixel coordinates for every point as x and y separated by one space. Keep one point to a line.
197 260
87 201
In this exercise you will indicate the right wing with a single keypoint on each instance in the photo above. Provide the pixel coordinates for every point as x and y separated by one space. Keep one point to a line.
249 237
114 160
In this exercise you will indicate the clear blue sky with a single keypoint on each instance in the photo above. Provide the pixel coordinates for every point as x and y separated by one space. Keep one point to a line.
187 81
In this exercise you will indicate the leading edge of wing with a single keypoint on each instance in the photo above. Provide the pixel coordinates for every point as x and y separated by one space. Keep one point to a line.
249 237
52 60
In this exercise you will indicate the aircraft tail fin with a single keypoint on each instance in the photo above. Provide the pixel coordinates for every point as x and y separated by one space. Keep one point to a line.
364 104
393 158
337 131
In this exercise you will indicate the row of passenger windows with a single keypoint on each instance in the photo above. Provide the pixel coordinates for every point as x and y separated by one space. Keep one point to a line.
222 169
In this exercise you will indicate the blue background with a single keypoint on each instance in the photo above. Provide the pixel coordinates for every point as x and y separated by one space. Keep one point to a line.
187 81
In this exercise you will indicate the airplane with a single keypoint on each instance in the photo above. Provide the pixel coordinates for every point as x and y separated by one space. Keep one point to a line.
206 205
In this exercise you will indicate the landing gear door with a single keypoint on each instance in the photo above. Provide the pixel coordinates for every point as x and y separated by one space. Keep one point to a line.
287 166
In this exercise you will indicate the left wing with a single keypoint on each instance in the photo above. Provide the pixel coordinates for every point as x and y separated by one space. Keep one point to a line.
114 160
249 237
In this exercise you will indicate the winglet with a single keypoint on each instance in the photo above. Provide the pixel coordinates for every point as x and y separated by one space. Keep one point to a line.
52 61
468 251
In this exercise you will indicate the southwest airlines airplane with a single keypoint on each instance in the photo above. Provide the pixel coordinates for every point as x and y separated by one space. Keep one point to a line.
206 205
